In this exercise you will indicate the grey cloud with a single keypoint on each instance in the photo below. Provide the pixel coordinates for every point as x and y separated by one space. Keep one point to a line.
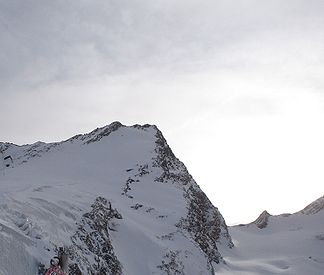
47 40
84 62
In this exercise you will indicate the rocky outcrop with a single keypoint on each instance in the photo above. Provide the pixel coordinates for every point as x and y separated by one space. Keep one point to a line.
92 240
99 133
171 264
204 224
262 221
173 169
311 209
314 207
137 172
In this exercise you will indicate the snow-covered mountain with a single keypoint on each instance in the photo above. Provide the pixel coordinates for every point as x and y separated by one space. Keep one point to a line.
281 244
117 199
120 202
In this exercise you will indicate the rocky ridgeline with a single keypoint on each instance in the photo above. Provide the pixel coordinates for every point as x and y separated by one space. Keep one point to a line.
92 250
203 223
173 169
99 133
314 207
262 221
22 154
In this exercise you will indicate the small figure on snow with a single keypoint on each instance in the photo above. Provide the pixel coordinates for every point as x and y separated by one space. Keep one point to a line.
55 268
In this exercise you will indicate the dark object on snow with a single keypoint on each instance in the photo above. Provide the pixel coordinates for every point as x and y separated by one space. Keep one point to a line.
55 268
59 263
8 161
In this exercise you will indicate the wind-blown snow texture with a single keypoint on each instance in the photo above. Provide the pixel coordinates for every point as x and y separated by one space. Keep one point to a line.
116 198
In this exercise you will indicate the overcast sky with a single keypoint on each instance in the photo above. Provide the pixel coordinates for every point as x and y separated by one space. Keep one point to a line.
235 86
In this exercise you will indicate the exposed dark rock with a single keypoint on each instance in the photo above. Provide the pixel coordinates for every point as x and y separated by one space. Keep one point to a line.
74 269
173 168
5 145
127 187
99 133
262 221
169 236
93 238
204 224
171 264
143 127
142 170
137 206
314 207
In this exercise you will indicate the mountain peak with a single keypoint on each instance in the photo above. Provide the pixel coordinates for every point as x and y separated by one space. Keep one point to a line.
98 133
106 194
262 221
23 153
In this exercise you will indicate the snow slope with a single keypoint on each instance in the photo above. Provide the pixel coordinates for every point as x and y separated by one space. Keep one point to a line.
120 202
285 244
117 199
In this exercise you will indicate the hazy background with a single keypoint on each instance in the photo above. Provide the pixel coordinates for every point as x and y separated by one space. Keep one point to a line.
235 86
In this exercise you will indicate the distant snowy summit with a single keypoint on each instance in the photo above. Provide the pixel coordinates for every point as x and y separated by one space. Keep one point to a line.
117 199
262 220
278 244
311 209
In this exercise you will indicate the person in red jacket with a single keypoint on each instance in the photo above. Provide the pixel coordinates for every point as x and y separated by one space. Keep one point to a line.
55 268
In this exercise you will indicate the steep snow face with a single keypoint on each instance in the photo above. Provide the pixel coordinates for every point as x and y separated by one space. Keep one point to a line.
117 199
283 244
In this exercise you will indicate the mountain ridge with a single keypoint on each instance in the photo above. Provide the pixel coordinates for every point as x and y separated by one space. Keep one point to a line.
311 209
117 190
278 244
57 192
